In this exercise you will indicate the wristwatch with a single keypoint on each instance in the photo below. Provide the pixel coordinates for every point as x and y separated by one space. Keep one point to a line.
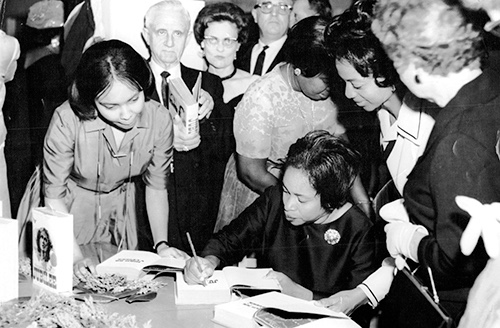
159 243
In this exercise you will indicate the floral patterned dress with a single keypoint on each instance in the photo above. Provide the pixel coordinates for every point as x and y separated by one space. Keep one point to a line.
270 117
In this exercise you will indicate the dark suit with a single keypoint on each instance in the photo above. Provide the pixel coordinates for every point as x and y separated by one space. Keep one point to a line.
195 186
243 59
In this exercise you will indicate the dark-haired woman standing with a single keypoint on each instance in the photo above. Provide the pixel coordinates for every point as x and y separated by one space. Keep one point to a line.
107 134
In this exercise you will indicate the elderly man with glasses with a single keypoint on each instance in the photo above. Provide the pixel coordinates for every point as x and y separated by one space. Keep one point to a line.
273 20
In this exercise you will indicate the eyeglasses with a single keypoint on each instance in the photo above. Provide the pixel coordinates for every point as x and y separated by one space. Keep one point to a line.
226 42
267 8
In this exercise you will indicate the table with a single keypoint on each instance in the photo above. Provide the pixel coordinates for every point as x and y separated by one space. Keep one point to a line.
162 311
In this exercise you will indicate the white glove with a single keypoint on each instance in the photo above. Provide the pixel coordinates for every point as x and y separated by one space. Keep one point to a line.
394 211
399 238
484 222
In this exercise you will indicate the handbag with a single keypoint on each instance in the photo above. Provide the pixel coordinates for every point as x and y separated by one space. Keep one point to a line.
410 304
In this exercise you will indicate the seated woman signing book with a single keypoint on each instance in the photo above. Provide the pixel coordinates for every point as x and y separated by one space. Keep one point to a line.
316 242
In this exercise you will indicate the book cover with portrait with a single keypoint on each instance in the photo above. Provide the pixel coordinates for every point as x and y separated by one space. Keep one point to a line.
52 255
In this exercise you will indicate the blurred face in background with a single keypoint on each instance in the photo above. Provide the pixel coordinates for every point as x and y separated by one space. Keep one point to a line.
273 24
301 9
362 90
220 44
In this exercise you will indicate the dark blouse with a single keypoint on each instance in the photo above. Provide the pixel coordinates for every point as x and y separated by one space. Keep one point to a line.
300 252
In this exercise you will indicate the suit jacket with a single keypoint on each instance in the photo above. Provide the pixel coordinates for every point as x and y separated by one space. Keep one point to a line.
245 54
195 185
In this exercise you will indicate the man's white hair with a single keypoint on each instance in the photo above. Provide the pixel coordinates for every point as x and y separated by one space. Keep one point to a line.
166 6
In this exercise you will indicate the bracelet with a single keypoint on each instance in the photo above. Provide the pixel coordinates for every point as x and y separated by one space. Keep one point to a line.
155 247
364 202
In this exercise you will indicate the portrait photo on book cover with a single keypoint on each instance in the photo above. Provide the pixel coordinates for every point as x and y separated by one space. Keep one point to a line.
46 255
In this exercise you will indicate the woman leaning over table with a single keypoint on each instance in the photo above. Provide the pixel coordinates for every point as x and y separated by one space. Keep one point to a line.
107 134
282 106
462 153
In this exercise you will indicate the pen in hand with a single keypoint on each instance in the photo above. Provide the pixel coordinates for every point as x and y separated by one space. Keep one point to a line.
195 256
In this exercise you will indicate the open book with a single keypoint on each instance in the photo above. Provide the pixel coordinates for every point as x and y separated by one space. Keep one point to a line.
278 310
223 284
133 264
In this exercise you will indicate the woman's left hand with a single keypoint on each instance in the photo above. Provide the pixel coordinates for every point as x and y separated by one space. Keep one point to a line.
206 105
166 251
289 287
345 301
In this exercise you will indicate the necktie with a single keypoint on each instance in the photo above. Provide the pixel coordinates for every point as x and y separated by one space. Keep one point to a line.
260 61
164 87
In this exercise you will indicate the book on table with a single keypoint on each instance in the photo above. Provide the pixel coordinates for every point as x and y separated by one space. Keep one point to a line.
134 264
224 285
278 310
9 257
183 102
52 257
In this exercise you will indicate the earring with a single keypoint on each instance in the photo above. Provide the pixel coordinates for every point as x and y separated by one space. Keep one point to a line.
297 71
417 79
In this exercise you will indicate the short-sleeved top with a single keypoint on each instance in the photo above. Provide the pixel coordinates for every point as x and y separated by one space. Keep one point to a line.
308 254
77 150
272 116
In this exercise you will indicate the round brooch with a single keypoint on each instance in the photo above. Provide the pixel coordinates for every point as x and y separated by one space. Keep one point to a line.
332 236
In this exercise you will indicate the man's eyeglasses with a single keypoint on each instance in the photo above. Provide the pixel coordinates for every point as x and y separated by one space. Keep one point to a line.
267 8
226 42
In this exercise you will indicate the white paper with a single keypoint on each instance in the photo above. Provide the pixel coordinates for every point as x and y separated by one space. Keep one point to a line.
9 259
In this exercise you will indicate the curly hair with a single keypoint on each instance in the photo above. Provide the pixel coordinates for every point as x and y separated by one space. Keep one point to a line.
349 37
306 48
331 164
221 12
430 34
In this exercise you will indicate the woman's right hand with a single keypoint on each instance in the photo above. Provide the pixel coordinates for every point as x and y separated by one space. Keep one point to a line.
82 267
345 301
197 274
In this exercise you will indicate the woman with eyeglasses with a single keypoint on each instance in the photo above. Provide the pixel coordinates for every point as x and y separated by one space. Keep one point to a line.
220 29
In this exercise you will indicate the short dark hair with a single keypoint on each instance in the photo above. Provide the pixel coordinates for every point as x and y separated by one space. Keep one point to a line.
331 164
102 63
221 12
349 37
306 49
322 7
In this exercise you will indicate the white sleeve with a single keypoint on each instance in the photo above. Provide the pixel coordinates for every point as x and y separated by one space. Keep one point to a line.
377 285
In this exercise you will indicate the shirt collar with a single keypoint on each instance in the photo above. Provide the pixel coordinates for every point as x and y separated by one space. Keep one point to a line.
273 46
